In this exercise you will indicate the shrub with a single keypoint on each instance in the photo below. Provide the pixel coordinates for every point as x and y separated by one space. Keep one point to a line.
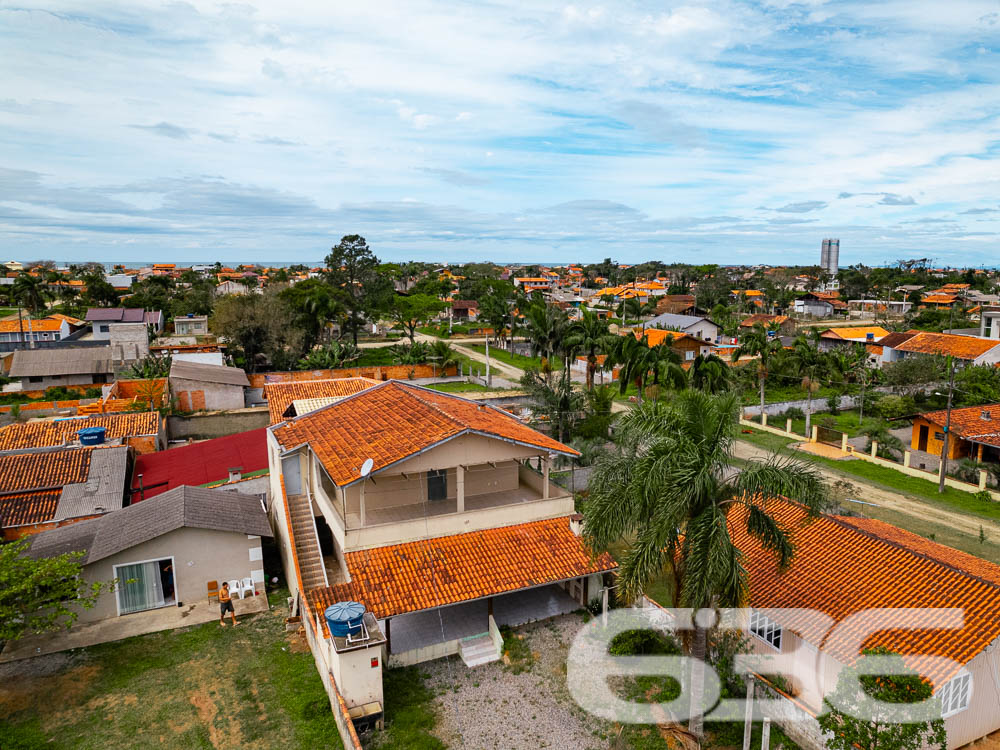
893 407
984 496
794 412
643 643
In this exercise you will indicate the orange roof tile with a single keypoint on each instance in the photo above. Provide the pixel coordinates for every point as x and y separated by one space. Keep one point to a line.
855 333
34 326
59 431
24 508
657 336
960 347
280 395
842 568
26 471
980 424
394 420
402 578
764 320
938 299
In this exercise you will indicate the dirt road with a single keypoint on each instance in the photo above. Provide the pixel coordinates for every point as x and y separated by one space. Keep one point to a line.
895 501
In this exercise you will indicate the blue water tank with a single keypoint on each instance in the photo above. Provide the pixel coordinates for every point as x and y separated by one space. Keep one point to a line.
92 435
344 618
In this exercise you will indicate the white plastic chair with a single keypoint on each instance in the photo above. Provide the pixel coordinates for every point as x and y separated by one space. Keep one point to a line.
246 587
235 588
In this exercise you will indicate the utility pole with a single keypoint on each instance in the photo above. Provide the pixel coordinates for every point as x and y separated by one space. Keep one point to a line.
947 428
864 370
489 380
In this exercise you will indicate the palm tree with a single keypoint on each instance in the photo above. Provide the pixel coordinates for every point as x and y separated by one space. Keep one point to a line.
545 326
667 490
665 364
632 355
710 374
757 343
809 361
589 334
442 355
31 292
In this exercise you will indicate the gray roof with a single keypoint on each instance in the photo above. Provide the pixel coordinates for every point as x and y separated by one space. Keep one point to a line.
182 507
671 320
62 361
103 490
123 315
185 370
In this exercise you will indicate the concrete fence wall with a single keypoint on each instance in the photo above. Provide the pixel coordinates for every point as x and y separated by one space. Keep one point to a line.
819 405
216 424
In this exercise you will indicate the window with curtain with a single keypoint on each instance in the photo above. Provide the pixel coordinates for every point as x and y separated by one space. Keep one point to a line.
139 587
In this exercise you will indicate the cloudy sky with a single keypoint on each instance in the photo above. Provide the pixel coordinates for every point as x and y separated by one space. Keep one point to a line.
538 131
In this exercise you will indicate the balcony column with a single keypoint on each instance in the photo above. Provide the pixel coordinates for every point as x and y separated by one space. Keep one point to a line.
545 478
460 488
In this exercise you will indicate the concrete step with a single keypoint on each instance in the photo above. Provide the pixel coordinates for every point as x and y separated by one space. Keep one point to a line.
478 650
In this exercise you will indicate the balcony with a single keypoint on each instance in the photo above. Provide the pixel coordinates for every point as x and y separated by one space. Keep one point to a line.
395 508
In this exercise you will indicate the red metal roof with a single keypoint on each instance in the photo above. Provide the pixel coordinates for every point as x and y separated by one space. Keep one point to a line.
200 463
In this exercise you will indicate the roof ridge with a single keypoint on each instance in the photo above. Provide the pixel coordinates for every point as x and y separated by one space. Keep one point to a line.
290 420
923 555
451 417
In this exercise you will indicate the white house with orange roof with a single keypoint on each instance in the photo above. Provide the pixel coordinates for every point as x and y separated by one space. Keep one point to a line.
437 515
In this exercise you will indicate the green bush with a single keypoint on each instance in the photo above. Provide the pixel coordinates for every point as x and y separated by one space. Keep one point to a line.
893 407
793 412
643 643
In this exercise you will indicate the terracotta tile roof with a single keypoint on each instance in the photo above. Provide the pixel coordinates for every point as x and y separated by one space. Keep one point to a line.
842 569
26 508
59 431
938 299
44 325
280 395
978 423
764 320
893 340
402 578
857 333
960 347
25 471
394 420
657 336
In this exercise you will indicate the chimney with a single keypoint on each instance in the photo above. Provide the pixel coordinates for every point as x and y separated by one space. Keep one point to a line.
235 473
576 523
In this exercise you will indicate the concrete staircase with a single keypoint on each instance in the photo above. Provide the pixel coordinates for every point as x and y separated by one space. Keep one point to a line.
478 649
306 544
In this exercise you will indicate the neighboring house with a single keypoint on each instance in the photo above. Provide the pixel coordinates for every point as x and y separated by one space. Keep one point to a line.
234 287
427 509
975 432
237 461
191 325
694 325
819 304
532 284
966 349
687 346
145 432
103 319
199 386
52 488
890 343
465 309
844 566
298 397
50 328
164 552
122 282
38 369
677 304
833 338
784 325
989 322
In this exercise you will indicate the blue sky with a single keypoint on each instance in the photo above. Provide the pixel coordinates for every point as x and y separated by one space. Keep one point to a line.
722 132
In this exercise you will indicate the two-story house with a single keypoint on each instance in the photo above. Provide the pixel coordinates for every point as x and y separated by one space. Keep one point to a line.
435 513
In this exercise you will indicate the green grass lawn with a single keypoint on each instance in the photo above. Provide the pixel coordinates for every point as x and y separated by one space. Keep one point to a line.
5 311
845 421
517 360
777 393
890 479
461 388
197 687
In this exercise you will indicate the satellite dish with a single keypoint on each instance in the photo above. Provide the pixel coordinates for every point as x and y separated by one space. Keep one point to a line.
366 467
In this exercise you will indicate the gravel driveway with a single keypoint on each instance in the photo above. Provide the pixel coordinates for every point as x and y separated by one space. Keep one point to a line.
490 707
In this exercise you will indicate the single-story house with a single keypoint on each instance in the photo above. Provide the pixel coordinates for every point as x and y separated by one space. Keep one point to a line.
687 346
165 551
191 325
49 328
465 309
966 349
989 322
890 343
975 432
819 304
780 323
833 338
38 369
239 460
845 566
143 431
199 386
694 325
103 319
51 488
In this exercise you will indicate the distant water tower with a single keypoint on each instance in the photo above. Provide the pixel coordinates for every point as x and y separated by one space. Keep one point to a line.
829 256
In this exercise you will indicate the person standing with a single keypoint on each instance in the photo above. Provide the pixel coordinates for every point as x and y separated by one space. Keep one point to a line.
226 605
